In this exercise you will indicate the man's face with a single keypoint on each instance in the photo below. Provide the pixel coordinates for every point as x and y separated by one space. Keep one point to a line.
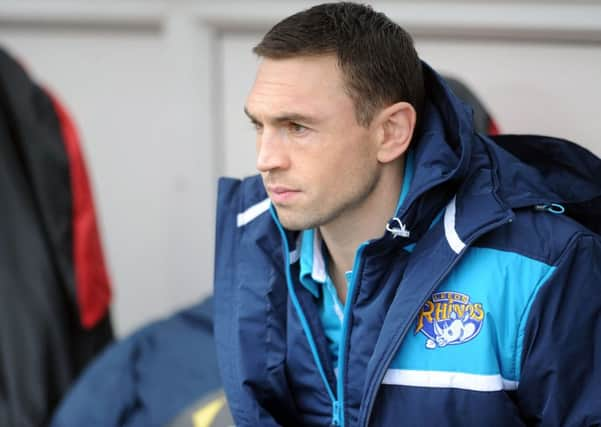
318 164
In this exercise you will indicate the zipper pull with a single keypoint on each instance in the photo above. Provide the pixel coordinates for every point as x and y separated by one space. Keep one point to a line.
554 208
397 229
336 413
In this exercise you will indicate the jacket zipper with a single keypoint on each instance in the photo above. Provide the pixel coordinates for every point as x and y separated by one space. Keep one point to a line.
345 327
305 325
336 413
374 386
383 367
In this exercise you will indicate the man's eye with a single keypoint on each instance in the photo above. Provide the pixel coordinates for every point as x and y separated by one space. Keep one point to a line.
297 129
257 126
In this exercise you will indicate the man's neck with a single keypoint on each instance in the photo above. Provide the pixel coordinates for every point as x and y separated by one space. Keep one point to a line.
343 236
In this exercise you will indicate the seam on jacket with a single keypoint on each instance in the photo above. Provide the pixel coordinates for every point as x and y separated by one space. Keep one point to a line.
494 170
526 312
523 320
549 257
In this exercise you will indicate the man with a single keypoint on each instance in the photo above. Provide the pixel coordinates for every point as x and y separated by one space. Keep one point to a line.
394 267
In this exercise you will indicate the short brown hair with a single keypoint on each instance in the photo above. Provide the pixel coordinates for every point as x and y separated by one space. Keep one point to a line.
377 57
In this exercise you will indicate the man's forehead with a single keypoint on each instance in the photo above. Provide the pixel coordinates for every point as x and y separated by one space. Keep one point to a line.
303 73
305 82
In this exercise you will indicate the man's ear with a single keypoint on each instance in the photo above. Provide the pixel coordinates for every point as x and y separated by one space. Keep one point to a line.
396 125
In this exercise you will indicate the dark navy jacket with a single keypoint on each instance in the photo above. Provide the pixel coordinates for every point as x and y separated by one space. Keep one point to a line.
148 378
488 313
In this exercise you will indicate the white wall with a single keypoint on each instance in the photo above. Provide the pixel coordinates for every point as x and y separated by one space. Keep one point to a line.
157 88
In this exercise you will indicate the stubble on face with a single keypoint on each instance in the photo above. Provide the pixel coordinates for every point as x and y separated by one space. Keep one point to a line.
338 205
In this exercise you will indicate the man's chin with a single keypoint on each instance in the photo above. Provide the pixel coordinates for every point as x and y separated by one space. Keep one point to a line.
292 221
293 225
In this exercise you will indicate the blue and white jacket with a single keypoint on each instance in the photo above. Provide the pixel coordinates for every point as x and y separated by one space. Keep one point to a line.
488 313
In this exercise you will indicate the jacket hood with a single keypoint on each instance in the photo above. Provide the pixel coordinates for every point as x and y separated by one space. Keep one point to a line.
528 170
443 154
557 172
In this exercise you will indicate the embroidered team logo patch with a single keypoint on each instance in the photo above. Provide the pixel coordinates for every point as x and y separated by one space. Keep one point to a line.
449 318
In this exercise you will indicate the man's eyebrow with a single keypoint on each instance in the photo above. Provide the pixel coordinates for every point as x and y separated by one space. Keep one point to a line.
284 118
250 116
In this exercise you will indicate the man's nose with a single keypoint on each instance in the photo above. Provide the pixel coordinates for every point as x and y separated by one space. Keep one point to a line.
271 151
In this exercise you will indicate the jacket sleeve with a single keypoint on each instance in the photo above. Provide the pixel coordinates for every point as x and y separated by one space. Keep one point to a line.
249 315
560 381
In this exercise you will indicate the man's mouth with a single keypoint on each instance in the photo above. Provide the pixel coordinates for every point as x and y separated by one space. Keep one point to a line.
281 194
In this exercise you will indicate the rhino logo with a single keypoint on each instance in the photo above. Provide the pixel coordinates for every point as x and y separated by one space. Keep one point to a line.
449 318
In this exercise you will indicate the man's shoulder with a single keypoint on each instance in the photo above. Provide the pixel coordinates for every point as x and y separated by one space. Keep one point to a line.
538 234
240 194
553 189
240 202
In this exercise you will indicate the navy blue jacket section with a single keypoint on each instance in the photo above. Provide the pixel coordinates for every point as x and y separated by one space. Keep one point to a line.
260 379
561 379
487 314
148 378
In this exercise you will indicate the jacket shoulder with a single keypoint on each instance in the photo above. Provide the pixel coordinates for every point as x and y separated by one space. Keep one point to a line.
539 235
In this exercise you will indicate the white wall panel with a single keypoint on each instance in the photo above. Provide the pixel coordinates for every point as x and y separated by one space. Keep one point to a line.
549 89
239 65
